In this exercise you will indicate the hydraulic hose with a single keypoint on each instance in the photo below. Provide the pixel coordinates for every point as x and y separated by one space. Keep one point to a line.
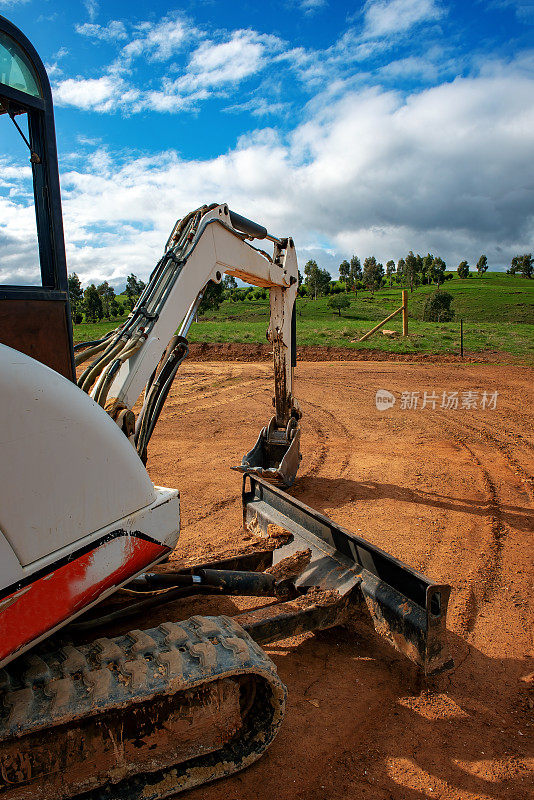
105 381
86 354
94 371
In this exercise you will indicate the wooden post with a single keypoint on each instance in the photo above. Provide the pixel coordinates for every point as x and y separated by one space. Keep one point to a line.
377 327
402 310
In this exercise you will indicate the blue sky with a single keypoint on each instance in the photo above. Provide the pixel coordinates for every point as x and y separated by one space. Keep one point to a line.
368 127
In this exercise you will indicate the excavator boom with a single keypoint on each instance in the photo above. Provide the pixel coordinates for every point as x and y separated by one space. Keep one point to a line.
144 352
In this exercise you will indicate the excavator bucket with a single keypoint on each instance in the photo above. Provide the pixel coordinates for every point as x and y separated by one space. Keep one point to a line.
276 455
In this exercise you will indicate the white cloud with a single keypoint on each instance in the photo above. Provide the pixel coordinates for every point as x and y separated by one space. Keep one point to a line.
260 106
391 17
88 141
242 55
371 172
53 71
367 170
98 94
311 6
7 3
212 67
168 99
91 8
114 31
157 41
436 63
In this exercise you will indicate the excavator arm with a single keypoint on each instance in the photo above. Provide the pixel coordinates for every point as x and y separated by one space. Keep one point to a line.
144 353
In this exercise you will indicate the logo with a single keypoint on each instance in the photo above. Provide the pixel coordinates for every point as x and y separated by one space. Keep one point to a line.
384 400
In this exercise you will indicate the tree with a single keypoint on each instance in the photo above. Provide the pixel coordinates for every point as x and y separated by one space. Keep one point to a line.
309 267
527 266
107 294
75 297
344 272
317 279
463 269
116 307
373 272
133 290
92 304
229 282
213 297
482 265
323 280
438 307
419 269
523 264
356 273
426 271
390 269
401 269
410 271
338 302
437 270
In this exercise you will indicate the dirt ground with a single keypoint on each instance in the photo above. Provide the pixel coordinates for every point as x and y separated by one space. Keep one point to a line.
448 491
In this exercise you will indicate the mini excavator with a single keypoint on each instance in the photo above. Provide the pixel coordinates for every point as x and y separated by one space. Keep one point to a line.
152 712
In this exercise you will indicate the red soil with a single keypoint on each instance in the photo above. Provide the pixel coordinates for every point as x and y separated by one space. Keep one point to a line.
448 491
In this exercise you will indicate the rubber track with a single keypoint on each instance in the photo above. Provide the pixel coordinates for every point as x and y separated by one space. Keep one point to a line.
45 690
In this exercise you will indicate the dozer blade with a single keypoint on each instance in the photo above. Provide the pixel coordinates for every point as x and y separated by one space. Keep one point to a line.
137 717
276 455
402 605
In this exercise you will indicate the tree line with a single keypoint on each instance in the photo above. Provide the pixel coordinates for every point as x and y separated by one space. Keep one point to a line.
101 302
409 272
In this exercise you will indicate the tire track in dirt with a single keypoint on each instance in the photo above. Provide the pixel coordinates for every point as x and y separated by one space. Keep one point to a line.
521 424
179 407
341 428
320 454
504 449
483 578
176 415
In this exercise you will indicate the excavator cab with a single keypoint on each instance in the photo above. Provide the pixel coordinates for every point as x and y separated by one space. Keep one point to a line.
34 319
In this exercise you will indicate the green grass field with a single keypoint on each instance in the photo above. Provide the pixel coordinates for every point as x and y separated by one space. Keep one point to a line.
497 310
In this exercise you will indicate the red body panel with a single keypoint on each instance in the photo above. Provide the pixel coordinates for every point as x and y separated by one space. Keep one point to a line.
53 598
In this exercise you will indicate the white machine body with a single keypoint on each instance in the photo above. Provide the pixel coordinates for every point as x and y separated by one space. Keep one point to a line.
78 518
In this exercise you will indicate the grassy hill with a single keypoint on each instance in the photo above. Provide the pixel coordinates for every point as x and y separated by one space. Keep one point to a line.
497 310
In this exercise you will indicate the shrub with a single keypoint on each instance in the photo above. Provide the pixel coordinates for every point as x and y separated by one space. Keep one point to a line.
338 301
438 307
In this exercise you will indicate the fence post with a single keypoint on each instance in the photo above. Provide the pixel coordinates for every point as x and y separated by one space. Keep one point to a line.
404 312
